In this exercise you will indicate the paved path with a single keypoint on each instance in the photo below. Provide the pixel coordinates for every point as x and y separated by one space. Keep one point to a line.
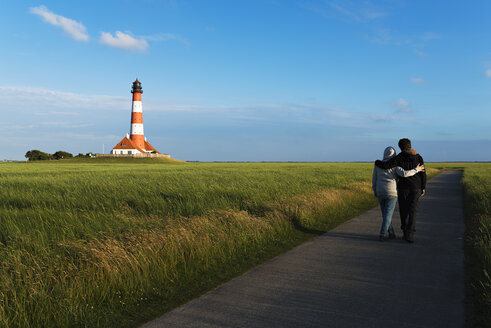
347 278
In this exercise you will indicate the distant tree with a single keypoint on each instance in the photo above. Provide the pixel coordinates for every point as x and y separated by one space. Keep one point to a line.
80 155
62 154
37 155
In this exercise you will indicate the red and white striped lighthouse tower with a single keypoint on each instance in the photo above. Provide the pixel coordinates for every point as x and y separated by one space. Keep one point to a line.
136 130
135 141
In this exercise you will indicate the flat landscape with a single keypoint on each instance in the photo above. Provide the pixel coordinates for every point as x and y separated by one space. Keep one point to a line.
276 111
116 244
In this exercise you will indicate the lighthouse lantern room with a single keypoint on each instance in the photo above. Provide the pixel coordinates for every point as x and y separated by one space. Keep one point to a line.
135 141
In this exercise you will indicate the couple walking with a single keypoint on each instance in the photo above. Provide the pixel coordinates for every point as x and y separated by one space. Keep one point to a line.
400 177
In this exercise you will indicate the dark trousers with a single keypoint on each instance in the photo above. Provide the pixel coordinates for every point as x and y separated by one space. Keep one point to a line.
408 206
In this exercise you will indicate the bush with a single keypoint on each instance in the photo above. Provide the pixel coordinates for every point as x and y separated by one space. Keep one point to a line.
37 155
62 154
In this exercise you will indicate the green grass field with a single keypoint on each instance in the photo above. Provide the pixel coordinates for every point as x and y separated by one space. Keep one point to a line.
477 209
115 244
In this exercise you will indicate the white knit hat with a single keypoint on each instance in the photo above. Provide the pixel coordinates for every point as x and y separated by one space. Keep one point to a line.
389 152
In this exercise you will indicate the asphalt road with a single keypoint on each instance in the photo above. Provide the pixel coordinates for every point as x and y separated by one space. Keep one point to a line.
347 278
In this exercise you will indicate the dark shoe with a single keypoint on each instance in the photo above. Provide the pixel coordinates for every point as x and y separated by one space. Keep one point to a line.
410 238
392 235
405 235
383 238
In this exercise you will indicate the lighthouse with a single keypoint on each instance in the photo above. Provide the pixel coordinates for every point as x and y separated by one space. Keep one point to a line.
135 142
136 130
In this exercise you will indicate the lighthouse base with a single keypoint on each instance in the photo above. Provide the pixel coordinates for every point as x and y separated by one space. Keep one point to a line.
139 155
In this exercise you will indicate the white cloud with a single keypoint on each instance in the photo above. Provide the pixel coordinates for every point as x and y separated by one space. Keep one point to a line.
75 29
357 12
344 11
167 37
314 114
428 36
369 14
380 36
123 41
404 110
350 10
417 80
41 102
36 97
65 106
402 106
488 72
402 102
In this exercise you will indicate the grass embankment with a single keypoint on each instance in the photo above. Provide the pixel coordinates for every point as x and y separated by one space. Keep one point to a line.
117 160
477 196
86 244
477 208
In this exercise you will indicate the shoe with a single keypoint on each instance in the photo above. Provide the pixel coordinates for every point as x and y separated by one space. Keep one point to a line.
383 238
392 235
410 238
405 235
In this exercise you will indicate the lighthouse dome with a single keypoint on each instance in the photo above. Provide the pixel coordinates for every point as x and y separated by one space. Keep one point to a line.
137 87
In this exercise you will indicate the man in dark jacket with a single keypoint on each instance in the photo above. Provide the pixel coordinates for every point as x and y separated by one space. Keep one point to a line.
408 189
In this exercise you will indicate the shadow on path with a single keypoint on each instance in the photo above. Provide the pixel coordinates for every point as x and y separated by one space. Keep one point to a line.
298 226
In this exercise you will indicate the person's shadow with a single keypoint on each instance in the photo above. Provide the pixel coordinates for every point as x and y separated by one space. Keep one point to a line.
351 236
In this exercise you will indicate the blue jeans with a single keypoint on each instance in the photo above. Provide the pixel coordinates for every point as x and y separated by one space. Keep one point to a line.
387 205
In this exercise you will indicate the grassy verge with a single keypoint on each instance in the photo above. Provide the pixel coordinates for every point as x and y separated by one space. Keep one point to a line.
89 244
477 208
115 160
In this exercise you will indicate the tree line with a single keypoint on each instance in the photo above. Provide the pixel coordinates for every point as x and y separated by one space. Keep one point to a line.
37 155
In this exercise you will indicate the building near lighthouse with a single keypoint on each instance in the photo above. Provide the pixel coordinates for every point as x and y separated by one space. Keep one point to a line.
135 144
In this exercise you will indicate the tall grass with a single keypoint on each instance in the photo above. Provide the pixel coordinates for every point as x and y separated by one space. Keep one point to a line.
107 244
477 196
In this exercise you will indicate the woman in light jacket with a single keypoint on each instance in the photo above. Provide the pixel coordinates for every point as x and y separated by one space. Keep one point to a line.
384 185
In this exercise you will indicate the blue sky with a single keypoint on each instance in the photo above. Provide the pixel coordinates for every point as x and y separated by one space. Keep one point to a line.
313 80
